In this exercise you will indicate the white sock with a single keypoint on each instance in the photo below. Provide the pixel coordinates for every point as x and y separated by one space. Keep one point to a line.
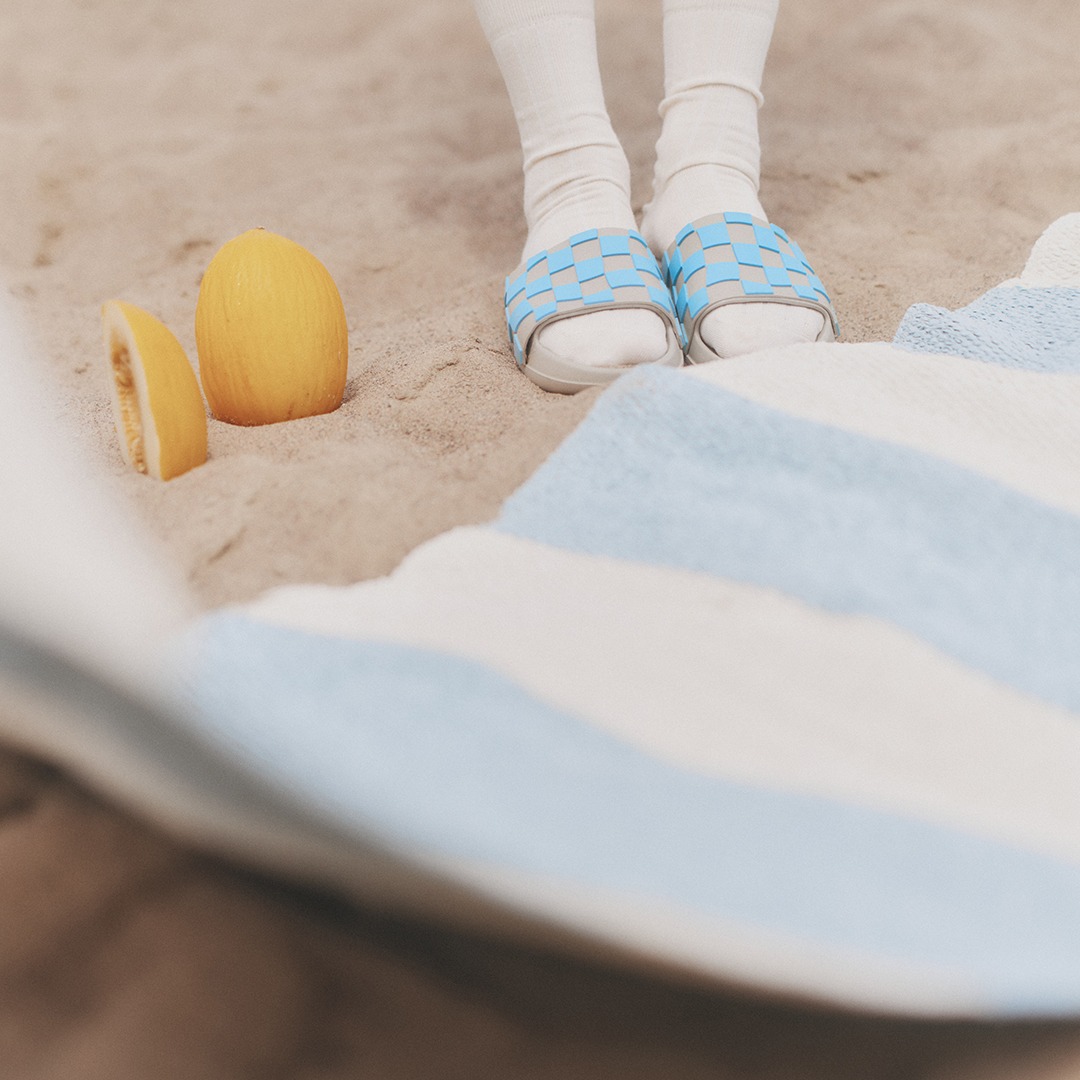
708 157
576 174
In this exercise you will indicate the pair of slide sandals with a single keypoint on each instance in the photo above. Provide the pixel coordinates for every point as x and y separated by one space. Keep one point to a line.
721 259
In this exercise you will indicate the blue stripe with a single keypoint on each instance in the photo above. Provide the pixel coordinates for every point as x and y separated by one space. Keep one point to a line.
443 755
669 470
1016 327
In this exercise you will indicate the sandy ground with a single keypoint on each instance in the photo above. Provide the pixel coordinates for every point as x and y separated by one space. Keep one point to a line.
915 148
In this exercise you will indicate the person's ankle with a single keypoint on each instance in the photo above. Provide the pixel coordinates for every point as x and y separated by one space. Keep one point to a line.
696 193
590 204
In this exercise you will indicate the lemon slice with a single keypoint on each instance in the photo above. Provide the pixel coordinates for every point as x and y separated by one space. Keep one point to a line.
159 411
270 328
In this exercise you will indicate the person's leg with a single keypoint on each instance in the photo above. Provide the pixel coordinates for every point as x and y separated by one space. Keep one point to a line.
576 174
708 154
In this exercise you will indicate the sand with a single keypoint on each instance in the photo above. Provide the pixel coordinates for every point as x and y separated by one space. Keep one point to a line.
916 150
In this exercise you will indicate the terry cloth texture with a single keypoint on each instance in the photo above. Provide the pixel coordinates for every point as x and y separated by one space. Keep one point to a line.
767 677
1031 323
1033 329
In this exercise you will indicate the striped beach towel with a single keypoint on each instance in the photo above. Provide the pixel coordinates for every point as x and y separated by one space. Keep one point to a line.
769 677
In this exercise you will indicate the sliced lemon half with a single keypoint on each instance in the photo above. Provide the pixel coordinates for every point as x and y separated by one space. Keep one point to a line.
159 411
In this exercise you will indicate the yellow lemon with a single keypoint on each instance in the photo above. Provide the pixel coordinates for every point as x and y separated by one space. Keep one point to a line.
159 411
270 329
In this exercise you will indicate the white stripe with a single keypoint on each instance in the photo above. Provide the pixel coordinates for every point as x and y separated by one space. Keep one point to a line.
1017 427
728 679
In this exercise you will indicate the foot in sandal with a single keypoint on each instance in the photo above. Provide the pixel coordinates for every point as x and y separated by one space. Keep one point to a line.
576 182
708 165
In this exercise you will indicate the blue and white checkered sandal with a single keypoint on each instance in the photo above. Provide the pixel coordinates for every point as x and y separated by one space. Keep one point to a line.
595 270
737 259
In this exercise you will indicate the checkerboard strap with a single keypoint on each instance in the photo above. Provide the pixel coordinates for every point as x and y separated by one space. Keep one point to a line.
594 270
735 258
